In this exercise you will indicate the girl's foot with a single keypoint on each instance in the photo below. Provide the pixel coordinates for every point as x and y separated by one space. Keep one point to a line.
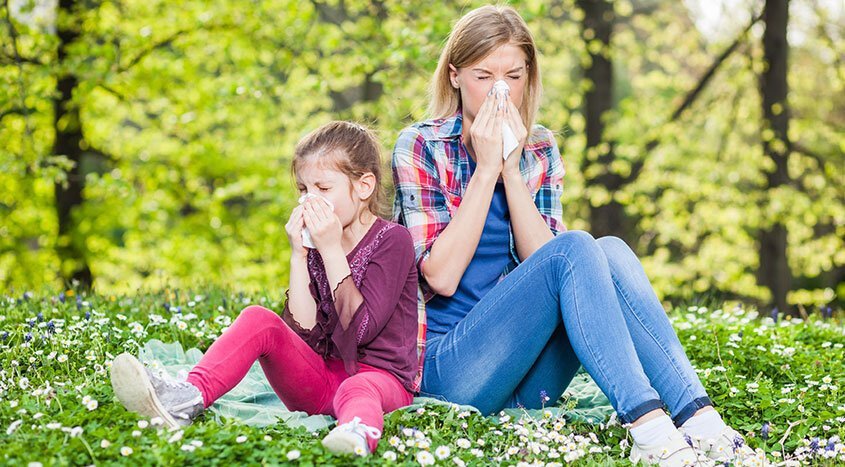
141 391
351 438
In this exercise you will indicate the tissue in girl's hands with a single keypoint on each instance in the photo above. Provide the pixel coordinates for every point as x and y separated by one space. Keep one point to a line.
509 141
307 242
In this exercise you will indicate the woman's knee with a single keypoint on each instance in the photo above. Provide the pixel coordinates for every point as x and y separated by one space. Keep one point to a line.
575 243
618 252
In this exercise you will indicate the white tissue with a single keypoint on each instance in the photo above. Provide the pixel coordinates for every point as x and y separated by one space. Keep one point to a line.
307 242
509 141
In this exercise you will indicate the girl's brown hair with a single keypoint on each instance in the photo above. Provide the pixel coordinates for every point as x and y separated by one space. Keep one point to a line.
350 148
475 36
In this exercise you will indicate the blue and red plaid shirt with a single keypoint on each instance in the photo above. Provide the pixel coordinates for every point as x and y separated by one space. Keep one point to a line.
431 173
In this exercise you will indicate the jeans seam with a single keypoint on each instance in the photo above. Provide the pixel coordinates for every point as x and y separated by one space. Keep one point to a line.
649 332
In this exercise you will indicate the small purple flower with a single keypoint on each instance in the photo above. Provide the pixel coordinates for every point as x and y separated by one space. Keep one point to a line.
830 446
775 314
51 328
166 306
519 405
87 315
78 303
827 312
814 444
544 396
27 337
40 316
62 297
27 296
764 431
688 440
5 335
31 323
738 442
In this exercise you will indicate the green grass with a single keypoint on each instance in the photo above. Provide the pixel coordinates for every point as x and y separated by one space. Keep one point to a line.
57 407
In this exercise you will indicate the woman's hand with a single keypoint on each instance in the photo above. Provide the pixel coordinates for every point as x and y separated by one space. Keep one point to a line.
514 120
486 134
322 223
294 227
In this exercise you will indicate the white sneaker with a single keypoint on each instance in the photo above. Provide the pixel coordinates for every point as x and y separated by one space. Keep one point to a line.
351 438
152 395
675 452
727 447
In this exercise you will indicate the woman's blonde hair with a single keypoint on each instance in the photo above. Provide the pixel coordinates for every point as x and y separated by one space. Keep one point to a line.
475 36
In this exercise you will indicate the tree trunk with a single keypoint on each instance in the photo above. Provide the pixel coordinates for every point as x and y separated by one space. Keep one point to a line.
774 270
74 265
610 218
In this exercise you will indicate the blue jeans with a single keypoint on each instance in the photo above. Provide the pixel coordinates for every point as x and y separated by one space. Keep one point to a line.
575 301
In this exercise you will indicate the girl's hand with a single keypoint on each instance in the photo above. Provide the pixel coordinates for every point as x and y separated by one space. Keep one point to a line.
294 227
322 223
514 119
486 134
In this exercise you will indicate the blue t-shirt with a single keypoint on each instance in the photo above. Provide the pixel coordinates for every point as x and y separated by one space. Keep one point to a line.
484 270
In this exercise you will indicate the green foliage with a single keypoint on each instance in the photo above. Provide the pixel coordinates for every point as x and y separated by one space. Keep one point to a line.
190 112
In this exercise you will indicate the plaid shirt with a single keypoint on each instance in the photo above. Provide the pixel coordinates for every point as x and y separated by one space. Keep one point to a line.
431 173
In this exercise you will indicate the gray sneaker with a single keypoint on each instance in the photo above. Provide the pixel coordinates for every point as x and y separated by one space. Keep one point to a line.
152 395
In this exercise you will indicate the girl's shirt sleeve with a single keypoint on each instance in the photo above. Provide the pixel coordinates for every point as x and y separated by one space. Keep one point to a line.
364 311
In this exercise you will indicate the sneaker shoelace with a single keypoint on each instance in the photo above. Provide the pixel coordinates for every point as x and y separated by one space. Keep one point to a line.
359 428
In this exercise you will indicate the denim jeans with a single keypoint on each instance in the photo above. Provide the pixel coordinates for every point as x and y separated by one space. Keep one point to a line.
575 301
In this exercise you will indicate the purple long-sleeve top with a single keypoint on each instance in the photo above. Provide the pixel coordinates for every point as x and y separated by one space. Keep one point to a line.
373 316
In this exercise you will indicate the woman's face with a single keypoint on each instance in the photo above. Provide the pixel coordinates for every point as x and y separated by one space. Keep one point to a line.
508 63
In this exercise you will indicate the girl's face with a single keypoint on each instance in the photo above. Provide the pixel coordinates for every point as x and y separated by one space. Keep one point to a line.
508 63
348 197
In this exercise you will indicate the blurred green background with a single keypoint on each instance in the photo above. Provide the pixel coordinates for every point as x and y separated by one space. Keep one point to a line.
146 144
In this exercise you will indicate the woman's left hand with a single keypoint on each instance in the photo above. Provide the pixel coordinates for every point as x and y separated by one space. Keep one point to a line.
514 120
322 223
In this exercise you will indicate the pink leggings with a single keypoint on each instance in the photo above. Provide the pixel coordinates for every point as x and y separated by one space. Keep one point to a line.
301 378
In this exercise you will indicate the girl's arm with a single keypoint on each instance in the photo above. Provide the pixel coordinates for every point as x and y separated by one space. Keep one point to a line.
300 304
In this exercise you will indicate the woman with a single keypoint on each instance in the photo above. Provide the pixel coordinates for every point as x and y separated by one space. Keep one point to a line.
515 303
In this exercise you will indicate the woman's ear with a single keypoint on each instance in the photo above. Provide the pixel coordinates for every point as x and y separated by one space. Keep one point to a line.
365 186
453 77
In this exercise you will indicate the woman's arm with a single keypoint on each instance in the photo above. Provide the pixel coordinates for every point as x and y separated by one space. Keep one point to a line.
531 227
530 230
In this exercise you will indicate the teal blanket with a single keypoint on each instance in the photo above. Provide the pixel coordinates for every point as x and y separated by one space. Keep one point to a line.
254 403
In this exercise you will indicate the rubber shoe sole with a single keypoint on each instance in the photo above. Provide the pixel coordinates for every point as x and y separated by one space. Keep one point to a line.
133 389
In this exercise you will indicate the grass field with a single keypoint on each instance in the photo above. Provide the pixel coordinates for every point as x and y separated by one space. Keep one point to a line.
776 380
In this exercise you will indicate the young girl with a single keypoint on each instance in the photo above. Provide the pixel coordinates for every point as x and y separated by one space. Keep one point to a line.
346 343
500 271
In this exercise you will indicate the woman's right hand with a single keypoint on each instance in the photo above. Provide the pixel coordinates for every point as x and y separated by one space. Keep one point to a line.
294 227
486 134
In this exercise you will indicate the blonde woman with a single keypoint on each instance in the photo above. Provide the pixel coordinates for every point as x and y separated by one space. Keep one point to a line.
515 302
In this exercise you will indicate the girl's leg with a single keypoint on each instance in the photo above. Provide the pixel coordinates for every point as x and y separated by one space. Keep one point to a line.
658 348
298 375
486 356
368 395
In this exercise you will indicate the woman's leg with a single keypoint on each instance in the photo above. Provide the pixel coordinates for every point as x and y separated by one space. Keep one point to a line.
550 374
658 348
368 395
298 375
486 356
